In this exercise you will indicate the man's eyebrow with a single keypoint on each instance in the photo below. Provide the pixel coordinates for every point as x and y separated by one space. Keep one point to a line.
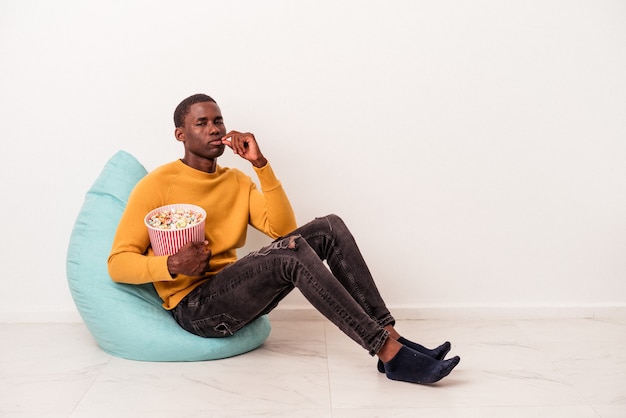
204 118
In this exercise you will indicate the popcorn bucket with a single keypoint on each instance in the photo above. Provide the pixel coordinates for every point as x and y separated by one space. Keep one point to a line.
172 226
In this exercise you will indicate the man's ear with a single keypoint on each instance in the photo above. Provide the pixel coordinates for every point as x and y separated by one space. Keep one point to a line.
179 134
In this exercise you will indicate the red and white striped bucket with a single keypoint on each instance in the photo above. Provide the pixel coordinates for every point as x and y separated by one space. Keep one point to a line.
169 241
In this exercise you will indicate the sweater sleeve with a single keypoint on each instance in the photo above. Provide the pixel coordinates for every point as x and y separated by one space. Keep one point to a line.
128 261
271 211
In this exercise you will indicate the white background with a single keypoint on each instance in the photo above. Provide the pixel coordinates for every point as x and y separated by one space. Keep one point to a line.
477 149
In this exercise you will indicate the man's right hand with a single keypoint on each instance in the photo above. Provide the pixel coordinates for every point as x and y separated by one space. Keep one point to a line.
191 260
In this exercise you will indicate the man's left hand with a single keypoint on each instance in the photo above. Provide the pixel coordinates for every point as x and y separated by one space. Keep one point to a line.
244 144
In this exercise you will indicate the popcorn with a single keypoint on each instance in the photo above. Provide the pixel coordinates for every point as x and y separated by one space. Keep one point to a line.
175 219
172 226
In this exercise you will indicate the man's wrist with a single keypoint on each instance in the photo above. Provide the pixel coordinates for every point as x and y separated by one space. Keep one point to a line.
169 267
260 163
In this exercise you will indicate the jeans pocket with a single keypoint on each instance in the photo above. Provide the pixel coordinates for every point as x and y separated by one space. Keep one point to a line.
222 325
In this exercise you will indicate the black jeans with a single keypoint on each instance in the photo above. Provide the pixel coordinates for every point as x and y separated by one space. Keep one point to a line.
254 285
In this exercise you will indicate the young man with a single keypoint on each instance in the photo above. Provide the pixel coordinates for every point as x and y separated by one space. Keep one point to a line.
212 294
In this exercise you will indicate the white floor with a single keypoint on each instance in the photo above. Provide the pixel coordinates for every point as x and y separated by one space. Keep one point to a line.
509 368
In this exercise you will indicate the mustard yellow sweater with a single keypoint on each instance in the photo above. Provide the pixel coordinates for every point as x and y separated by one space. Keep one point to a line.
231 200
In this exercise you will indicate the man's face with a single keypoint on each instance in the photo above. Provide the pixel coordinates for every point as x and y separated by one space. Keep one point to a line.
203 130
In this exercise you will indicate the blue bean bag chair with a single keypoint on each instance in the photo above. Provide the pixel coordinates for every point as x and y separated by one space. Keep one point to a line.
129 321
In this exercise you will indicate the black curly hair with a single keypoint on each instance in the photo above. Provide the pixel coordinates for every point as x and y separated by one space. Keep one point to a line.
183 108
